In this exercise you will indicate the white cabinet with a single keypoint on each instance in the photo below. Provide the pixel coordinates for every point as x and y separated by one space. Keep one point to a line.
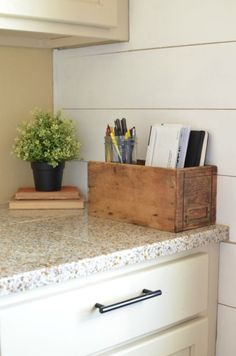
189 339
70 324
63 320
226 341
87 12
63 23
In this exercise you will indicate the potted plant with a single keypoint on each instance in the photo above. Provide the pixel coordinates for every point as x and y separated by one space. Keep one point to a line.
47 142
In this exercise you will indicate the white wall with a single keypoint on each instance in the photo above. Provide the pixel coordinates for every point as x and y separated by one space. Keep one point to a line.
179 66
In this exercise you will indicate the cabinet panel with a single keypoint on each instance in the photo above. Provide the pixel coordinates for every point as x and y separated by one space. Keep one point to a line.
226 190
101 13
63 23
185 352
187 340
68 324
227 280
226 341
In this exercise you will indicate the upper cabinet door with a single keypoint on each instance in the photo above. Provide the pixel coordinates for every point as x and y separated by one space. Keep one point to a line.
63 23
98 13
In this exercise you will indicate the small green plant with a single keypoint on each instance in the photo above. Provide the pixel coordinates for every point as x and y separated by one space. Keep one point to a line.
47 138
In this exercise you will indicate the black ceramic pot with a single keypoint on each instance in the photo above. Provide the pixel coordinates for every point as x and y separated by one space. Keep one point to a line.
47 178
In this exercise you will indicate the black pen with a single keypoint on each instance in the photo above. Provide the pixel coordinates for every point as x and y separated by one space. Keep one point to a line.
124 126
118 127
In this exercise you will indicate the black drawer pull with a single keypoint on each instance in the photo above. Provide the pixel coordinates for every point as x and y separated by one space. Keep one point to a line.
147 294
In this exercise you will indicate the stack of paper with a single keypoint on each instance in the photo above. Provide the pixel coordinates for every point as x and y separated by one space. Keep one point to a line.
167 145
176 146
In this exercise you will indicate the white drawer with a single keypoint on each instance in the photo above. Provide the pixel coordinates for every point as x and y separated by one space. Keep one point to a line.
190 338
69 324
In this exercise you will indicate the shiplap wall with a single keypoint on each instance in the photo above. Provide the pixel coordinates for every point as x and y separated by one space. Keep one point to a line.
179 66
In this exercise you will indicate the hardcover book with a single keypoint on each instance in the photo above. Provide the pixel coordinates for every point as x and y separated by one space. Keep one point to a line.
46 204
66 192
194 151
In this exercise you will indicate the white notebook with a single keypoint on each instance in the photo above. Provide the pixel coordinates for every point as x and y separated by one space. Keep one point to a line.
164 149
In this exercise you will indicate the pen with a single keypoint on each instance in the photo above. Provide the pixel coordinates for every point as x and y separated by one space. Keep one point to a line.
118 127
132 132
124 126
107 130
113 140
127 135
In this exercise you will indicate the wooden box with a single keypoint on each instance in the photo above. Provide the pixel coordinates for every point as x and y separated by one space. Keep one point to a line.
167 199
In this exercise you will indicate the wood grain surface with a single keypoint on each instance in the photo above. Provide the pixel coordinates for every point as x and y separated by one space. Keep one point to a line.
46 204
167 199
66 192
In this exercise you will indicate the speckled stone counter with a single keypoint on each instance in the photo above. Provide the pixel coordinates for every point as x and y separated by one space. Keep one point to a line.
39 248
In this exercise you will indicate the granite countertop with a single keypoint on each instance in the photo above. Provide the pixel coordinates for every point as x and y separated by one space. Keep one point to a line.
39 248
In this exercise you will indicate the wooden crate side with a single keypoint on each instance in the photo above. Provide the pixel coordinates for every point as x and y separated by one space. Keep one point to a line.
198 171
199 197
213 195
179 214
137 194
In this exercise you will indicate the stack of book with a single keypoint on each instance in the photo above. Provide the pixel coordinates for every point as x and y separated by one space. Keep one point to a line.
66 198
176 146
